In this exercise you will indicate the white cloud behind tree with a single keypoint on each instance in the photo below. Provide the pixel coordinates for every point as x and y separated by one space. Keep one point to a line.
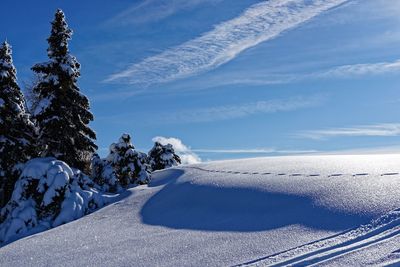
185 152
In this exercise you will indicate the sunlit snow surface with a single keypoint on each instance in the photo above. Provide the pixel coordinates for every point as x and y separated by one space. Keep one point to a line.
333 210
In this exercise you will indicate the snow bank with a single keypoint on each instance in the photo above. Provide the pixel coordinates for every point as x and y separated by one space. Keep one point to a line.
48 193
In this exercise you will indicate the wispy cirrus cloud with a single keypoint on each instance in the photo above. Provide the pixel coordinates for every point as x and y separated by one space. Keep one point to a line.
228 112
384 129
155 10
262 78
360 70
236 151
259 23
222 112
266 78
253 151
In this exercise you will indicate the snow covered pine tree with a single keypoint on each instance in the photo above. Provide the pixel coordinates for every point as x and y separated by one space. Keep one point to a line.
103 174
17 132
62 113
129 164
161 157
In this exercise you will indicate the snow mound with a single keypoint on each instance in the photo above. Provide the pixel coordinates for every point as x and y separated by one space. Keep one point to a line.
48 193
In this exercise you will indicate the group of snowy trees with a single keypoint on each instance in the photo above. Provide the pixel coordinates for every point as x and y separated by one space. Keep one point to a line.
123 166
56 124
47 150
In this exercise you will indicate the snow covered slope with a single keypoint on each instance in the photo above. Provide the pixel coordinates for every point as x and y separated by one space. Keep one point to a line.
324 210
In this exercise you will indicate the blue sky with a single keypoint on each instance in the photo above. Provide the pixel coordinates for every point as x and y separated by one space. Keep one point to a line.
231 79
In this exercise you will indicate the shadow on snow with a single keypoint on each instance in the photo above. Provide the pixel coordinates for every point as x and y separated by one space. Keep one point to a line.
204 207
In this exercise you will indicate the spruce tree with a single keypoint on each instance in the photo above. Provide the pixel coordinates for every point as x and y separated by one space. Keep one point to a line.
162 156
17 132
62 113
130 165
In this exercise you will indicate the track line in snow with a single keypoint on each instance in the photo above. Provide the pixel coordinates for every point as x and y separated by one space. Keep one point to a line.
377 231
389 174
352 247
360 174
296 174
335 175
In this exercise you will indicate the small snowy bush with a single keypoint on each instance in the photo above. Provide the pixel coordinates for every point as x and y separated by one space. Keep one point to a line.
130 166
162 156
47 194
104 175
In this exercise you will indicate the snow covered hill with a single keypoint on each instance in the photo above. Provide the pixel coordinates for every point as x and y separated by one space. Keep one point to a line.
324 210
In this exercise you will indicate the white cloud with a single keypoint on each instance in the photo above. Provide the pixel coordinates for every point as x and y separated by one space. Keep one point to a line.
185 153
259 23
253 151
266 78
361 69
393 149
228 112
154 10
384 129
236 151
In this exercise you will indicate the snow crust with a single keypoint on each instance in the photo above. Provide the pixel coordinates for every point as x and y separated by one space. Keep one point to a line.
324 210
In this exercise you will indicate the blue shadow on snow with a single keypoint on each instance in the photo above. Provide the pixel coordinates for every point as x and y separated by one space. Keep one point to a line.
198 207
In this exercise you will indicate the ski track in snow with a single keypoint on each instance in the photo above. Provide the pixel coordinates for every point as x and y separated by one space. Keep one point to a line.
317 252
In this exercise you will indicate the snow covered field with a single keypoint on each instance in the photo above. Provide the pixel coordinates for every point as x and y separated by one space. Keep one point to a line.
333 210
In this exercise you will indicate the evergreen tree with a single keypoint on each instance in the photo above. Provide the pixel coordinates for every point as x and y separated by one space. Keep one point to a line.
62 112
17 132
129 164
161 157
103 174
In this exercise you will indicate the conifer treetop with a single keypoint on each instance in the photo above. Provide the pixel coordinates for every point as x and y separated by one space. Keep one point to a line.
59 37
7 69
10 93
162 156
